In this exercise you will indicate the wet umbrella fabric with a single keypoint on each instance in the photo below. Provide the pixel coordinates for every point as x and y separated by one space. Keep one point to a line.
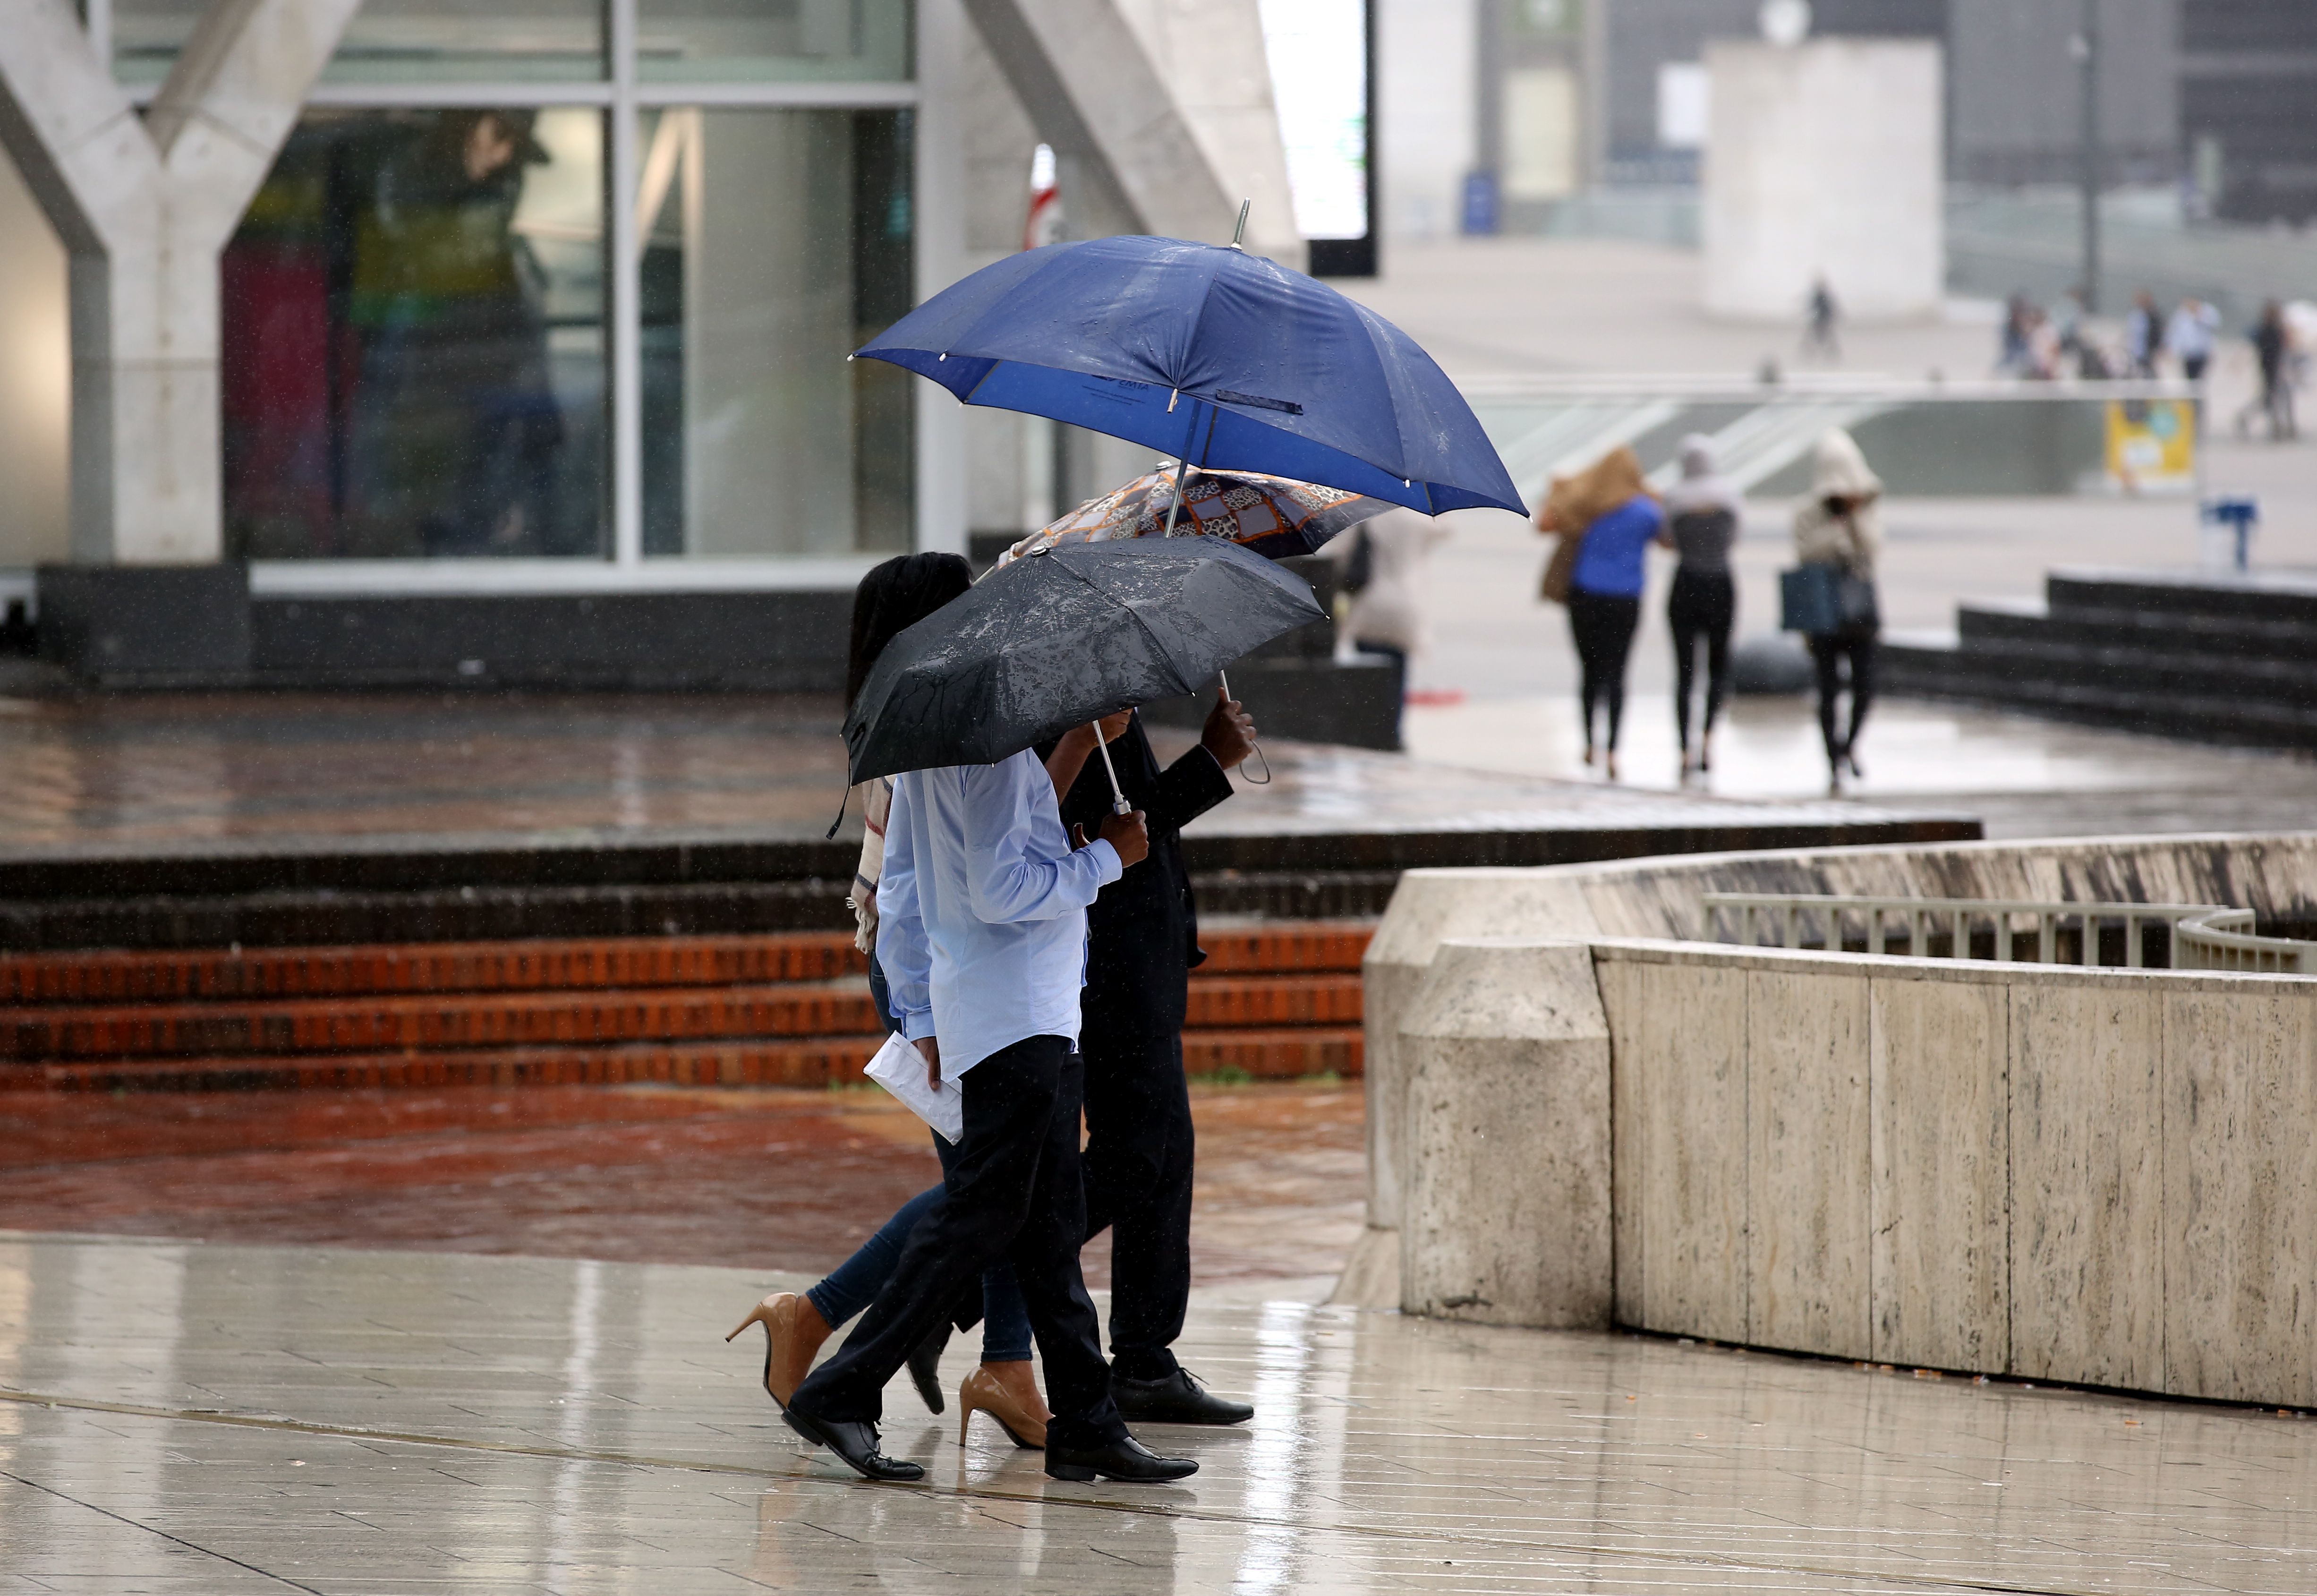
1226 358
1275 517
1061 638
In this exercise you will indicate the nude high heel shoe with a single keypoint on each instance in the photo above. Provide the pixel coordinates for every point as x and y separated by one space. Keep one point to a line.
793 1331
1008 1393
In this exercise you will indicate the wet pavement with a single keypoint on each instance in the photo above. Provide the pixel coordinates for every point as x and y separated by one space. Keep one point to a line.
167 771
763 1179
225 1419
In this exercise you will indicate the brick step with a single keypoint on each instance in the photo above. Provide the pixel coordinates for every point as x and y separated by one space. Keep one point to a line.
1265 1054
567 1018
118 977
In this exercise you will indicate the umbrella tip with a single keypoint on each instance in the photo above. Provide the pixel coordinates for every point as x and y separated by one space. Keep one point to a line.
1240 231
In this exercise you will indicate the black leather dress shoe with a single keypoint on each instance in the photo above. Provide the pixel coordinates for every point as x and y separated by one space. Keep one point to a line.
925 1365
856 1443
1125 1459
1179 1399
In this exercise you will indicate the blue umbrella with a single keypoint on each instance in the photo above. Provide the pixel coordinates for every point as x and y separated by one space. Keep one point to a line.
1225 360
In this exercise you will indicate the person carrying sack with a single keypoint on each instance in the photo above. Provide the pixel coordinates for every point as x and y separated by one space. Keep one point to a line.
1831 599
1606 518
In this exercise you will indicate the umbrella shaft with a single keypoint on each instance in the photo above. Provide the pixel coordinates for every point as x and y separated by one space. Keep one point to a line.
1118 803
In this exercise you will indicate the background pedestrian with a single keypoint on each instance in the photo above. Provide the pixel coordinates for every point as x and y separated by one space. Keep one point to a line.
1606 518
2273 351
1839 526
1703 514
2190 338
1386 565
2143 335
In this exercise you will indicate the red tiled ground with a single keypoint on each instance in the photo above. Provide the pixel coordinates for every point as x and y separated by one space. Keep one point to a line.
761 1179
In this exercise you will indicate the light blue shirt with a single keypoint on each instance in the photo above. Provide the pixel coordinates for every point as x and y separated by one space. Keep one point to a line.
982 923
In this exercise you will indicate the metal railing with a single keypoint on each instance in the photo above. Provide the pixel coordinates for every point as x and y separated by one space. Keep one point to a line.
2224 941
2197 936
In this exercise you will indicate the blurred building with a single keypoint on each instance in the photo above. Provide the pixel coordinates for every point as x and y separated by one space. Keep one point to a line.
431 340
1557 104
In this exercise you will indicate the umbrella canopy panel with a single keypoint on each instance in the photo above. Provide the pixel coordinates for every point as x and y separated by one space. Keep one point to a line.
1276 519
1060 638
1226 358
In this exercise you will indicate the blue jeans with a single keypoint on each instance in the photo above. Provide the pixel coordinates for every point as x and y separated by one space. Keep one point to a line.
853 1284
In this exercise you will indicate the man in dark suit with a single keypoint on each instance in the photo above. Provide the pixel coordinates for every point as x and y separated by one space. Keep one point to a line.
1142 942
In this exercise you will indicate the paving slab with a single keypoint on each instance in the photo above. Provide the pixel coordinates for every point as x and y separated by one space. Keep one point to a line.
220 1418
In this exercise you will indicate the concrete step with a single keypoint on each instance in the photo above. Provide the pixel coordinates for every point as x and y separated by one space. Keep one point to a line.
2101 698
2220 640
207 974
1254 1053
2283 597
2145 663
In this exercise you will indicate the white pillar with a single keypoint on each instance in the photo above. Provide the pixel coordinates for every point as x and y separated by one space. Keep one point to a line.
1119 91
1824 160
145 207
1426 79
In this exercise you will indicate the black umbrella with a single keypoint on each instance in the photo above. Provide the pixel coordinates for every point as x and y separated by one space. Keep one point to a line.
1063 636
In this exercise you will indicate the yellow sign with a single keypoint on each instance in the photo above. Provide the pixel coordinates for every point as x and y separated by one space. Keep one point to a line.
2152 445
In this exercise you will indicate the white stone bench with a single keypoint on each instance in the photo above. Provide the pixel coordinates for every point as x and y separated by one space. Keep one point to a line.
2107 1176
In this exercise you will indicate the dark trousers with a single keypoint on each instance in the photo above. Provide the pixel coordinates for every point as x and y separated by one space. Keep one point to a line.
1013 1191
1139 1150
1701 609
1829 651
1603 625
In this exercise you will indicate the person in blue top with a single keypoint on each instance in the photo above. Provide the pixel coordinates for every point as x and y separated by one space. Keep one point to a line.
1609 507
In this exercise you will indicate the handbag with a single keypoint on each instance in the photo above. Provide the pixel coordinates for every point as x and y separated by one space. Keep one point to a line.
1822 599
1560 570
1808 602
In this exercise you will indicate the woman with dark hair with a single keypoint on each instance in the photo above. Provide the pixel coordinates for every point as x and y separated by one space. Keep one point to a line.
981 930
892 599
1702 515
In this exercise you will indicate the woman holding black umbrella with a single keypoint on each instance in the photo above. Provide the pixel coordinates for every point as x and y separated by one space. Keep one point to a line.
893 598
982 935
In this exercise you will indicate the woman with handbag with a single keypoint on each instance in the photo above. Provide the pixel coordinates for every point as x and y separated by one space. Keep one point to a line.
1839 527
1606 518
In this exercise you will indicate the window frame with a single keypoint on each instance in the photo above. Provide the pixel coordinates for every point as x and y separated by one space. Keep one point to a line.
621 93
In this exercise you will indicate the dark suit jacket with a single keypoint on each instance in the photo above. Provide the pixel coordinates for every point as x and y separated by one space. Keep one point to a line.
1144 929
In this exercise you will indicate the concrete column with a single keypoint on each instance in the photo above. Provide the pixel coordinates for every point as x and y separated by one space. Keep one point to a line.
1505 1210
144 206
1823 161
1159 113
1426 84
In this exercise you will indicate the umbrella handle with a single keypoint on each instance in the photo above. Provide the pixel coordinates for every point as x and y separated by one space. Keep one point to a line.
1255 749
1118 803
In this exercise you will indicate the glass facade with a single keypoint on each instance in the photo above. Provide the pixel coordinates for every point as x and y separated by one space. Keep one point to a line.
703 40
414 339
401 41
774 243
433 346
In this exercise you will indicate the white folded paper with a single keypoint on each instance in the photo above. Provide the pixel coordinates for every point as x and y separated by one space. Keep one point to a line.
900 1069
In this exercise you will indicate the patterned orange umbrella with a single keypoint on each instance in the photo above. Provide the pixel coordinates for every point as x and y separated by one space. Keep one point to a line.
1273 516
